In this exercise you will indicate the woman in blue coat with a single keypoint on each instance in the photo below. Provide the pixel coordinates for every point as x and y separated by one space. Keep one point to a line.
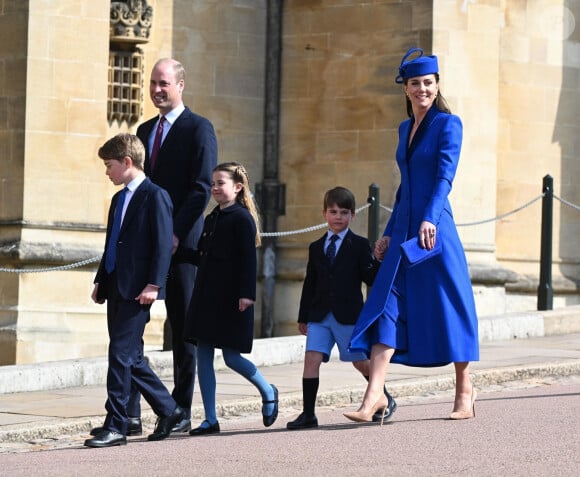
421 314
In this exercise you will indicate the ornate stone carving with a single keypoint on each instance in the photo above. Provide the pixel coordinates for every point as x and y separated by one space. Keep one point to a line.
130 21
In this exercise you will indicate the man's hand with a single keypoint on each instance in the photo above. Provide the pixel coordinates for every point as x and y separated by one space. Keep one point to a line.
148 295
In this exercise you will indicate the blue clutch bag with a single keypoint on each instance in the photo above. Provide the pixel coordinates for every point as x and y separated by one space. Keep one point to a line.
413 254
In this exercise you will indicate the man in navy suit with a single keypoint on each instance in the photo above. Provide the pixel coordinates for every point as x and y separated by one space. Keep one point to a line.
131 276
182 164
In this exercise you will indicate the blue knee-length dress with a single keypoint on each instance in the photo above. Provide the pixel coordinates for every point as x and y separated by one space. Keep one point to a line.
427 312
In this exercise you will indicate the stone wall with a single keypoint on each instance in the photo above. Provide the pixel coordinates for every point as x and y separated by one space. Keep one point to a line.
54 193
508 69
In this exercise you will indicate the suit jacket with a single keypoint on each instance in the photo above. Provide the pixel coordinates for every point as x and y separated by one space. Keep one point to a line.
184 167
337 288
144 245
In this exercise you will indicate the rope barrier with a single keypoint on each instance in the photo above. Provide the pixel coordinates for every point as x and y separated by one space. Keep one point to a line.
70 266
307 229
565 202
502 216
296 232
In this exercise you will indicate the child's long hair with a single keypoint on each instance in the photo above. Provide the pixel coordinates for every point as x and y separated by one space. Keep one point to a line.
239 175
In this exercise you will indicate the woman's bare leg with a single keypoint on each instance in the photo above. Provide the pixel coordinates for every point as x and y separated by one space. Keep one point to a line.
379 363
463 407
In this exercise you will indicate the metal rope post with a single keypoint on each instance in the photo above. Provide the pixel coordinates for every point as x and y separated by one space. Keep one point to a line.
374 209
545 291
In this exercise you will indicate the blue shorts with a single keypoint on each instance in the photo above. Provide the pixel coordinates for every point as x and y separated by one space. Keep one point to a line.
322 336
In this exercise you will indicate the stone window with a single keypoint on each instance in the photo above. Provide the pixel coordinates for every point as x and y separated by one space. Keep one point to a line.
125 86
130 23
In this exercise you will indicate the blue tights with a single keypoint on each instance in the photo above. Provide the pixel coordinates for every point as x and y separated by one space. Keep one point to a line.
236 362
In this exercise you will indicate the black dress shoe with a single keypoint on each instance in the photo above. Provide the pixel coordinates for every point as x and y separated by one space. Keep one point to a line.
269 420
204 430
134 428
182 426
391 408
166 424
107 439
303 421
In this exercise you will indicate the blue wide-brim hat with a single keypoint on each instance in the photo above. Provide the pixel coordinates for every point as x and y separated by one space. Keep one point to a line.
419 66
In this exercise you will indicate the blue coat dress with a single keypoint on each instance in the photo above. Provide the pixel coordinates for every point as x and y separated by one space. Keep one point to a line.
427 312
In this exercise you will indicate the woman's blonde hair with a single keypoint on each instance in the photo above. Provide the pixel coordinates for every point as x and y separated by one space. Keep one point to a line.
239 175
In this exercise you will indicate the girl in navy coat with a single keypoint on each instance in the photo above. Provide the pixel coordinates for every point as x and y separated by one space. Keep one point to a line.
221 314
422 314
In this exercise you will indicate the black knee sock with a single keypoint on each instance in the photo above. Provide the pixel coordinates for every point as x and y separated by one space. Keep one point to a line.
309 392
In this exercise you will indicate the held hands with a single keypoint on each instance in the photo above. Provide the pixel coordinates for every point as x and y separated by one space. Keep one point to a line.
381 247
427 232
175 244
244 303
148 295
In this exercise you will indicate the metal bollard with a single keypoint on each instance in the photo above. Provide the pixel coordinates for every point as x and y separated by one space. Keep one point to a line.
545 291
374 209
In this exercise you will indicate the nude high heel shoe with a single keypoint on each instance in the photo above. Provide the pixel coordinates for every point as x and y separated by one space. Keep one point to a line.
465 413
361 416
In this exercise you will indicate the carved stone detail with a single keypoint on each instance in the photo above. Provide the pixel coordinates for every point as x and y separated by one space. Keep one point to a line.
130 21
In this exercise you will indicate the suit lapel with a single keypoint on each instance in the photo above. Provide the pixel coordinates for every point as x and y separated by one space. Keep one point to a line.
346 243
173 133
144 133
136 203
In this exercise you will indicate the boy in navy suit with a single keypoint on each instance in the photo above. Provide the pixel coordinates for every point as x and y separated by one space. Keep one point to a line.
131 276
338 264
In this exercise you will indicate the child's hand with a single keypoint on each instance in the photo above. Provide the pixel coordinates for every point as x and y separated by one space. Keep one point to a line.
148 295
381 247
303 328
244 303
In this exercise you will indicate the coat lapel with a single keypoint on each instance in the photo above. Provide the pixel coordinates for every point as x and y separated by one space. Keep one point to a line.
423 128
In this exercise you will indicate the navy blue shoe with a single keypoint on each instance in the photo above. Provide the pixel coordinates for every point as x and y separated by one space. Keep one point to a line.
204 429
269 420
391 408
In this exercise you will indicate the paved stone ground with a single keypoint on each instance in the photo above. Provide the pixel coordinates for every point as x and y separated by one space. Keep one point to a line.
246 420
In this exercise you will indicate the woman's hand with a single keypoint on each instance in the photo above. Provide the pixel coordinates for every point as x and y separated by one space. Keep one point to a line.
427 235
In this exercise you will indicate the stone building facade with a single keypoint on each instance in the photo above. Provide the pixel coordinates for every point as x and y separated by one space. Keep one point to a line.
75 72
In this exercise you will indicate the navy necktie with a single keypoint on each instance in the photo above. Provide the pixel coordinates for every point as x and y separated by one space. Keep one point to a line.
111 253
331 249
157 142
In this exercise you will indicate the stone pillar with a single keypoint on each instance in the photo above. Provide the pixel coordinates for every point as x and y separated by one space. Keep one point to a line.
53 83
470 83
